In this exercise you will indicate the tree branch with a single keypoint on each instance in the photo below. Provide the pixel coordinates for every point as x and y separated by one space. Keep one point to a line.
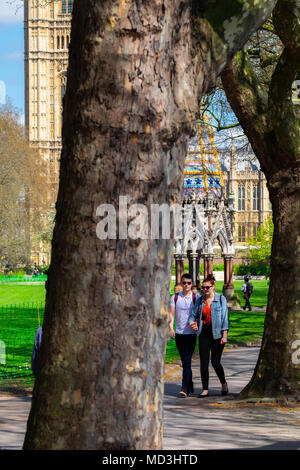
229 28
249 102
281 108
229 126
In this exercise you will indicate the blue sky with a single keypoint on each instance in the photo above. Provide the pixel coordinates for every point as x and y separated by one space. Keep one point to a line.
12 53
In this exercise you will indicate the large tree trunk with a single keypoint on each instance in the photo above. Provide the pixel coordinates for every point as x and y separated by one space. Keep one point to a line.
278 372
272 127
137 70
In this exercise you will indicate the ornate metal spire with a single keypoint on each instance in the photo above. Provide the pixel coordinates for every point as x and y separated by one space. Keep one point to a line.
202 173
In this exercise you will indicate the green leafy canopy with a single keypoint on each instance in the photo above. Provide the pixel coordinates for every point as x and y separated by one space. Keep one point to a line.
259 248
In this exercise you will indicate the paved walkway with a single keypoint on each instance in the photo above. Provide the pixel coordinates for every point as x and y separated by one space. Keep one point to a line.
14 412
218 422
191 423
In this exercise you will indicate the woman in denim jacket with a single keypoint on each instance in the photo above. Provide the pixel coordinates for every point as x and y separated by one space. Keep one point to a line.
209 318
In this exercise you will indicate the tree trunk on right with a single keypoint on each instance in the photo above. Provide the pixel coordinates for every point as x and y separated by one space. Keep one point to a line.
272 127
277 373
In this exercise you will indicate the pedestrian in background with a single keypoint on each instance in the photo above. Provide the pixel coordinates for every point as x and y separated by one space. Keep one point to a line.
247 289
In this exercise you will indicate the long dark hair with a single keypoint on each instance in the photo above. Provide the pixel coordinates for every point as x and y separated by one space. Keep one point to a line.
210 278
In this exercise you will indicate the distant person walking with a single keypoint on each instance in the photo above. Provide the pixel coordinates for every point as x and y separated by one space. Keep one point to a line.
247 289
181 304
209 318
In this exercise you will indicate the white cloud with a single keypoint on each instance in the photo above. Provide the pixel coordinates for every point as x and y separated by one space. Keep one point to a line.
2 92
13 56
11 11
21 119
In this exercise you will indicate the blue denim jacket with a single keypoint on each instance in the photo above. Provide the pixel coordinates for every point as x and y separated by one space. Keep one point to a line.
219 315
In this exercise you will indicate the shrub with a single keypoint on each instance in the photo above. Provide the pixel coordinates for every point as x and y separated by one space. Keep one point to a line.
238 269
45 269
253 269
20 273
218 267
28 269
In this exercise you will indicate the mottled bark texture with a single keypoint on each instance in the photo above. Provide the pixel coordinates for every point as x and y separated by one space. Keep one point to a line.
272 126
137 71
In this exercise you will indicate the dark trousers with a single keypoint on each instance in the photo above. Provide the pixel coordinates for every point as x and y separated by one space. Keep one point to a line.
247 305
208 344
186 346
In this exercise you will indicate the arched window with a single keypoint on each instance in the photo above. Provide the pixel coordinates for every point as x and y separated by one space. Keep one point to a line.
62 92
256 197
241 232
58 42
62 42
63 84
255 227
241 197
66 7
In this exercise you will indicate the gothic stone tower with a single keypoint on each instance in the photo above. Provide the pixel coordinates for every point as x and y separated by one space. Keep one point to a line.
47 27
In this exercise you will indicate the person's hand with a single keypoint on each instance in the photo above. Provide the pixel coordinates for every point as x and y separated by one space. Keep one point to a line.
194 326
172 332
223 340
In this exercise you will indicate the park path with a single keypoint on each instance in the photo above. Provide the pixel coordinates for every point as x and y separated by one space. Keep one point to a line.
218 422
191 423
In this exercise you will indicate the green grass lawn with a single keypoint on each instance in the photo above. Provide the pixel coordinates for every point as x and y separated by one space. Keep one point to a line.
19 294
27 279
18 325
21 312
259 297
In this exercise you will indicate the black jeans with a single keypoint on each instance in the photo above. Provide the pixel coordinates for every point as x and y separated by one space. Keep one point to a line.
208 344
186 346
247 305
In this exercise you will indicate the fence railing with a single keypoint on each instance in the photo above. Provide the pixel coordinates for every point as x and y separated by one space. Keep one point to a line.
18 325
16 279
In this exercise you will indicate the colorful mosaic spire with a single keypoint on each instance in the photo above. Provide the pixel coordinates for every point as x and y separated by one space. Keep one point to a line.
202 172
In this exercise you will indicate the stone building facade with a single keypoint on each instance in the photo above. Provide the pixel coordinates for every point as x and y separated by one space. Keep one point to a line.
251 197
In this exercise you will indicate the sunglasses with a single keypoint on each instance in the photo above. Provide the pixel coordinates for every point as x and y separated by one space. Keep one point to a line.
206 287
184 283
